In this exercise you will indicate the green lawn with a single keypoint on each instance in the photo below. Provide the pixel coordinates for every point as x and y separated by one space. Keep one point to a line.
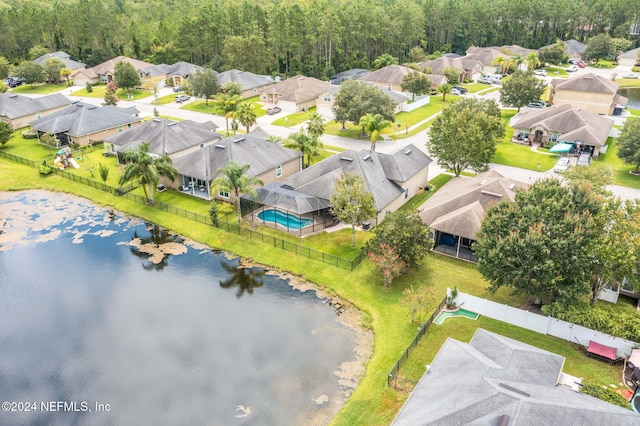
620 170
417 200
167 99
199 105
602 63
628 82
474 87
555 71
519 155
39 89
98 92
294 119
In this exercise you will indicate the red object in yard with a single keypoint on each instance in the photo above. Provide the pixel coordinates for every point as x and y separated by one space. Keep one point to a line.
602 350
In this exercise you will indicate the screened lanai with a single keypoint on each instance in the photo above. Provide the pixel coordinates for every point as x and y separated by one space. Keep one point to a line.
281 207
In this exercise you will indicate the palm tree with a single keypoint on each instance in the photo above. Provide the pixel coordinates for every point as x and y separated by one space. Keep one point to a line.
517 61
444 89
233 180
146 168
273 138
533 61
305 143
246 115
500 62
316 124
384 60
229 104
374 124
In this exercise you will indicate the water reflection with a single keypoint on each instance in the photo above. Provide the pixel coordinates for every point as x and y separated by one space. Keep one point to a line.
154 246
246 279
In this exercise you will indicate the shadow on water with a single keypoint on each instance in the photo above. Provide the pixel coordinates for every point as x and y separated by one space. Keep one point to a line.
245 279
157 236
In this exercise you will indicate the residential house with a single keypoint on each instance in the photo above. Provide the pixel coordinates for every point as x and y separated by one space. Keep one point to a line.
179 73
391 77
630 58
495 380
456 211
575 49
155 75
566 124
514 49
166 137
294 94
591 92
267 160
19 110
487 56
103 73
62 56
326 100
251 83
352 74
468 68
85 124
392 179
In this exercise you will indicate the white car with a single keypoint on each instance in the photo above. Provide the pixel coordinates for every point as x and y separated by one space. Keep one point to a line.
572 68
541 73
630 75
455 92
562 165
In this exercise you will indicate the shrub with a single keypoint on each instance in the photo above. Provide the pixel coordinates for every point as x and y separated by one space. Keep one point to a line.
606 319
30 134
605 394
45 169
89 87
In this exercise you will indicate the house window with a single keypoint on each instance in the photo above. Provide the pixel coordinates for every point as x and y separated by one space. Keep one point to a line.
223 194
129 126
119 128
553 137
38 115
327 97
279 170
388 86
113 148
201 145
523 135
406 193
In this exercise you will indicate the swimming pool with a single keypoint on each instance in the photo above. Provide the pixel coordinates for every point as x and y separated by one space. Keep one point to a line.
288 220
459 313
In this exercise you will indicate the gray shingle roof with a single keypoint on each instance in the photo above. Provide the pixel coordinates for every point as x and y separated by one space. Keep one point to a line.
184 69
393 74
573 46
351 74
83 119
586 83
246 79
573 124
378 170
465 384
458 208
64 57
14 106
252 149
631 54
165 136
155 70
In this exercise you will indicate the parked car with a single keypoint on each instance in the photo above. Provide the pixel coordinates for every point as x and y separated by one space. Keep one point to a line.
562 165
273 110
582 64
182 98
484 80
573 61
15 83
572 68
541 73
630 75
177 88
455 92
537 104
584 159
461 89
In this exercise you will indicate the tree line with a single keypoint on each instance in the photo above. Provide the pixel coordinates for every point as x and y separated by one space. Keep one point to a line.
312 37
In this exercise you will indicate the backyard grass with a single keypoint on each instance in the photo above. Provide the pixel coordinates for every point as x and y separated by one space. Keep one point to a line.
610 159
628 82
417 200
98 92
554 71
39 89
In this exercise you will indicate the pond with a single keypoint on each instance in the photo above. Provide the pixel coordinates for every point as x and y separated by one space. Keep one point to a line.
633 93
105 319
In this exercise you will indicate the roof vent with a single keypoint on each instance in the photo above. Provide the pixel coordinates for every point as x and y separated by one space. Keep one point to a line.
220 146
483 182
366 157
493 194
157 120
513 185
346 159
91 107
407 152
512 389
239 140
171 124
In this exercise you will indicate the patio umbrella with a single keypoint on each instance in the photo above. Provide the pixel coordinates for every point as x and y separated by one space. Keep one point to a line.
561 147
634 358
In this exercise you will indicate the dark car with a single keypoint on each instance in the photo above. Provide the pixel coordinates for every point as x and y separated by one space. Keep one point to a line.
460 89
273 110
182 98
537 104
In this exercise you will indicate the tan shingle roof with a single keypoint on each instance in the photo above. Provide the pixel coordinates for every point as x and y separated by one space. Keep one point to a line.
299 89
485 55
393 74
110 65
586 83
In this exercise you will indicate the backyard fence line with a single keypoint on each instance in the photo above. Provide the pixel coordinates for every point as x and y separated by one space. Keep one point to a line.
422 330
279 243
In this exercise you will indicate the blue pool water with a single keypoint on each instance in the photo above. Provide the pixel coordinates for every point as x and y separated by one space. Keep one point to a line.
288 220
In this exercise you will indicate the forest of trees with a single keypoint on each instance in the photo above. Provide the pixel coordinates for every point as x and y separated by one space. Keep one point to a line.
312 37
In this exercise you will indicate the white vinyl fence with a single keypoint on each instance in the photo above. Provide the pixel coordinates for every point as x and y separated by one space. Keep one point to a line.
420 101
545 325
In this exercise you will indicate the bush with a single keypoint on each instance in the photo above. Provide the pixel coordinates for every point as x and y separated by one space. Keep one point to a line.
607 319
605 394
30 134
89 87
45 169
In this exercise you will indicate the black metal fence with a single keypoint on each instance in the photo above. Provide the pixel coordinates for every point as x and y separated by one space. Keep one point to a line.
278 243
393 374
